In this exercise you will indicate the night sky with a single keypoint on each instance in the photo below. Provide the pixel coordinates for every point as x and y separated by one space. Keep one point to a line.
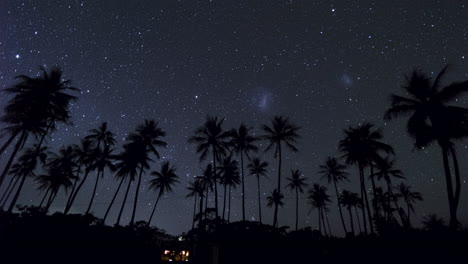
325 64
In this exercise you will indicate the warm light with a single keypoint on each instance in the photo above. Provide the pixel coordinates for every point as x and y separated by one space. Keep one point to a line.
166 252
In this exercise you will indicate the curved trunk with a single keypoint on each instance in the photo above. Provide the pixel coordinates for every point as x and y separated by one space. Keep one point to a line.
243 187
113 199
18 146
339 206
124 201
259 203
448 180
215 181
135 203
154 209
94 191
68 207
15 198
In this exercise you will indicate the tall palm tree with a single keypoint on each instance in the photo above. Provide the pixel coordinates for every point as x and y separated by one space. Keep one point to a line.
276 199
211 137
242 143
163 182
149 134
349 200
103 158
431 120
195 189
229 175
296 183
257 168
386 171
82 158
319 198
207 181
410 197
361 146
281 131
335 172
37 105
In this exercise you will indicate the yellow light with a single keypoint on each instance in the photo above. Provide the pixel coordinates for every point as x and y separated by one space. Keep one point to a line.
166 252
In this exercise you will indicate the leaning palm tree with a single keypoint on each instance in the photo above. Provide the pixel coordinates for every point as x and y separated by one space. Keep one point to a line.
229 175
296 183
242 143
258 169
361 146
149 135
163 182
281 131
276 199
349 200
319 198
410 197
335 172
82 158
211 137
431 120
37 105
195 189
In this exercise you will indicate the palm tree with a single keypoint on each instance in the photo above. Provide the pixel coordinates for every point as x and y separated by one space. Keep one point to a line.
101 135
37 105
82 158
334 172
211 137
229 175
280 131
163 182
195 189
276 199
103 159
318 198
386 171
242 143
349 200
148 134
296 183
410 197
361 146
207 181
258 168
433 222
433 120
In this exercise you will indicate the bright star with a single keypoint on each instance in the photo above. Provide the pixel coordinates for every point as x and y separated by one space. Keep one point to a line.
17 56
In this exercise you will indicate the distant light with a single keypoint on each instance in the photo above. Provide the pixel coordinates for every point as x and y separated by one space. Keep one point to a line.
17 56
196 96
333 9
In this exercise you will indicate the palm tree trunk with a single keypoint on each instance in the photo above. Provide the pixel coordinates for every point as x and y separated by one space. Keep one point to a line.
43 198
113 199
323 223
367 202
51 200
154 209
215 181
358 220
448 179
194 210
206 203
456 198
135 203
363 189
319 220
243 186
408 210
124 201
229 205
10 192
279 184
339 206
351 220
15 198
224 201
68 207
395 202
74 184
275 216
8 142
94 191
374 200
259 203
297 207
18 146
328 224
200 209
7 190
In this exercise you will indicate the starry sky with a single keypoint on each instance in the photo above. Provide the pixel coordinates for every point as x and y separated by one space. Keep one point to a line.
325 64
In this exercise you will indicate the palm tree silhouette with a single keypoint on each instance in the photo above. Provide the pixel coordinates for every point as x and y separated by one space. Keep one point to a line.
280 131
211 137
386 171
433 222
361 146
276 199
433 120
334 172
229 176
163 182
148 134
195 189
242 143
349 200
37 104
410 197
101 135
207 181
318 198
103 158
296 183
257 168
